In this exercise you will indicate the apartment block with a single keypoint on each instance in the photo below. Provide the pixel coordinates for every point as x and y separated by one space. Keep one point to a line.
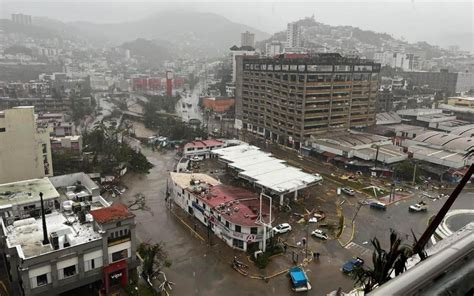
287 99
25 148
79 239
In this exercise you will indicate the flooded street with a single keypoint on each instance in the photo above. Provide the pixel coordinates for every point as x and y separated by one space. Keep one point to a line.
188 106
198 269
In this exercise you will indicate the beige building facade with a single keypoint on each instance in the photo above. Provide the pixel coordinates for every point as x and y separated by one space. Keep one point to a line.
25 149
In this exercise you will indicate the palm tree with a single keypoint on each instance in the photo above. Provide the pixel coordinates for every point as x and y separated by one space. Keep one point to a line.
385 263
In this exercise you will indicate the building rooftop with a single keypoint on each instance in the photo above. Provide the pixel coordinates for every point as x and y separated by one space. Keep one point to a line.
435 116
448 141
204 143
388 118
27 234
27 191
405 128
264 170
462 98
184 180
114 213
349 139
69 219
234 204
418 112
464 130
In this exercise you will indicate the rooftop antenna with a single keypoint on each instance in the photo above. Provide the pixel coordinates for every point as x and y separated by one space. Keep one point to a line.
43 217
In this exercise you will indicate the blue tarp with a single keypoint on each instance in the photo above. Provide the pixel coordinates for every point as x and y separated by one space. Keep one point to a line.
298 277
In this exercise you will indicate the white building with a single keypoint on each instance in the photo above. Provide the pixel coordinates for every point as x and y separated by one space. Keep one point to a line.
231 213
293 35
239 51
25 149
274 48
406 61
202 148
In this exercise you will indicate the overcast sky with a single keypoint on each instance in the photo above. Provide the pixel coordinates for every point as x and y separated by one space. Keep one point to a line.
442 22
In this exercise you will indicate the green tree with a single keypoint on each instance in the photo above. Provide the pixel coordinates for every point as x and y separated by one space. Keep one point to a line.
384 263
405 170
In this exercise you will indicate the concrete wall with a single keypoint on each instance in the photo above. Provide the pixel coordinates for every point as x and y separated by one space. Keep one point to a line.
21 147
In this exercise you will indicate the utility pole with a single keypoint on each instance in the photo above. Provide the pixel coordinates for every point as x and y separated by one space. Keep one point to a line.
262 221
376 154
414 175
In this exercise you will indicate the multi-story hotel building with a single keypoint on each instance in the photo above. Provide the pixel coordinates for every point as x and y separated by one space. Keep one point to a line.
291 97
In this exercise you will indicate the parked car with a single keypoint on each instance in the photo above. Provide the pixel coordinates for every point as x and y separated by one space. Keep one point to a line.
348 191
352 264
281 228
319 234
378 205
419 207
197 158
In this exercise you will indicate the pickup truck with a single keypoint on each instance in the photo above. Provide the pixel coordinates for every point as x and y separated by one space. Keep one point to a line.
419 207
352 264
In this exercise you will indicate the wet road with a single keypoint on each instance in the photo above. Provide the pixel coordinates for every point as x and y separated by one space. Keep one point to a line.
371 222
191 108
196 268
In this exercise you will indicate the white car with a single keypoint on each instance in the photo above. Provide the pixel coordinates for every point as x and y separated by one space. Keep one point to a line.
281 228
319 234
197 158
348 191
419 207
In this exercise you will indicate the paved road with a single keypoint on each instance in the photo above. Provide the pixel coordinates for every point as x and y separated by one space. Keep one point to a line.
370 222
196 268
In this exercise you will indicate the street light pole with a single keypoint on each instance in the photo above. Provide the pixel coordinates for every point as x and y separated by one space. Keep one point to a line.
262 221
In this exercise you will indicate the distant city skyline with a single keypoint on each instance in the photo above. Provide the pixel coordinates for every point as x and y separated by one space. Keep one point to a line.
439 23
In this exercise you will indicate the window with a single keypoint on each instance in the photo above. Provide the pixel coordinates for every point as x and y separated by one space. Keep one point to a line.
69 271
92 264
2 130
227 224
44 149
42 280
253 230
119 255
238 228
238 243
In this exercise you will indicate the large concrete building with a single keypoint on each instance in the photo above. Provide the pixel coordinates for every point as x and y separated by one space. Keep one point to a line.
81 241
235 53
25 149
449 82
289 99
247 39
293 35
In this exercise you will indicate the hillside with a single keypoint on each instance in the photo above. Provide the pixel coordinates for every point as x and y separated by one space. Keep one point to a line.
154 52
352 40
197 34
